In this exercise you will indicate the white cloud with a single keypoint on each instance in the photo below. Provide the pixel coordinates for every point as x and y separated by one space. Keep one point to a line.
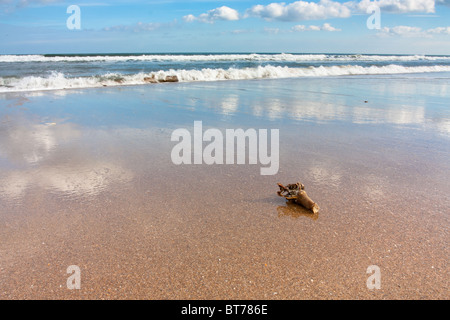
408 31
443 2
439 30
395 6
328 27
299 27
324 27
402 30
189 18
272 30
309 10
25 3
324 9
300 10
222 13
314 28
241 31
11 5
138 27
141 27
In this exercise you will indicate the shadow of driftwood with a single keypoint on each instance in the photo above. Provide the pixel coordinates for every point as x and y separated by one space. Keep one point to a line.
295 211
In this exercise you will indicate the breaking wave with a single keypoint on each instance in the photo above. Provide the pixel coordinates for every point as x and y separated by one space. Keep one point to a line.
58 81
218 57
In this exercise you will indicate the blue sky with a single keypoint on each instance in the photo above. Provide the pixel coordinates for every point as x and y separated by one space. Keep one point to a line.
310 26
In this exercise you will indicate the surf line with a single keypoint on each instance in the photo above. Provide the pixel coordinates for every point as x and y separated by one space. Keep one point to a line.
229 150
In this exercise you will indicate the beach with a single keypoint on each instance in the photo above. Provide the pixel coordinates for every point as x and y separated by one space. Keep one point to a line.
86 179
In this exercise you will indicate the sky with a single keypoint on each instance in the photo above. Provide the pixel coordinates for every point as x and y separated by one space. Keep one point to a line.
162 26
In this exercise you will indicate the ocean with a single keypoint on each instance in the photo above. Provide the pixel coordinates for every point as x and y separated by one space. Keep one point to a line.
21 73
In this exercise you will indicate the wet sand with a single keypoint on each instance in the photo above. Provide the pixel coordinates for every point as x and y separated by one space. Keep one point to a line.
86 179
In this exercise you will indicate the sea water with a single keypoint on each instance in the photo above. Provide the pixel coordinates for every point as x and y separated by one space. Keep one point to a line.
19 73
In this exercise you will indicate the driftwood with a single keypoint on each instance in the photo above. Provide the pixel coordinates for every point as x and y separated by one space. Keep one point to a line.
152 79
170 79
296 193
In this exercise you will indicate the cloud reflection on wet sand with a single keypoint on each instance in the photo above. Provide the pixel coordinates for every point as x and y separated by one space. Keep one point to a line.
48 156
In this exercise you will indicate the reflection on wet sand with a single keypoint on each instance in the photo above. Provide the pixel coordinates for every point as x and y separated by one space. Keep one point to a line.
320 112
52 156
74 181
28 143
230 104
323 105
325 174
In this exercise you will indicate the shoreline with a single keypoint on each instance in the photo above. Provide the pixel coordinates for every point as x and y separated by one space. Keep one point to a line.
58 82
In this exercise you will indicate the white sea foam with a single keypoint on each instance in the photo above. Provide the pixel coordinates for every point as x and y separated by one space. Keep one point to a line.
219 57
57 81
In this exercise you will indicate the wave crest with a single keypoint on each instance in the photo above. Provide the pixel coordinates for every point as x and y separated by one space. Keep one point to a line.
218 57
58 81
